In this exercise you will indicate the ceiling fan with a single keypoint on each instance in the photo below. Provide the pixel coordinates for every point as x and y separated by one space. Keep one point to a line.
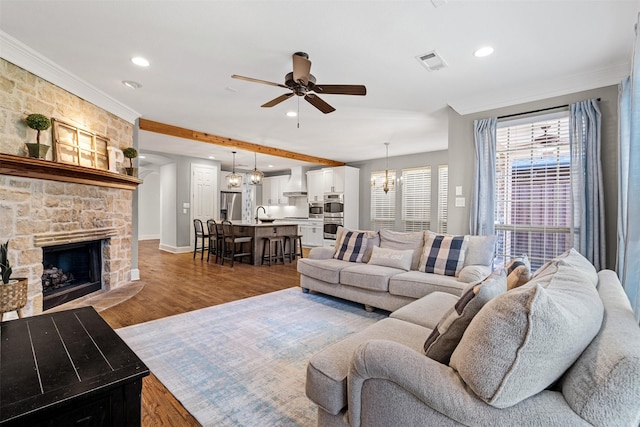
302 83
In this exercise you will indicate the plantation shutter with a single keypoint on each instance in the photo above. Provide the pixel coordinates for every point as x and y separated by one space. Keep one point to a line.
383 205
416 199
443 196
533 188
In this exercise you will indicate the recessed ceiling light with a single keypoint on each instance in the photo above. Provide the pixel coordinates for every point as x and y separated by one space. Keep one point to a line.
142 157
269 166
483 51
211 157
291 114
140 61
131 84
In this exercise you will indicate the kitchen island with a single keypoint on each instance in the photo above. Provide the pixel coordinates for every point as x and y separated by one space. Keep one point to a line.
260 230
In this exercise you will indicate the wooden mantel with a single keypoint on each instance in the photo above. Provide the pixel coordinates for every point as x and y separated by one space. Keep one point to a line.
28 167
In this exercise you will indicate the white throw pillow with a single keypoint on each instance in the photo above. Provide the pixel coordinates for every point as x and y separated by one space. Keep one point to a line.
392 258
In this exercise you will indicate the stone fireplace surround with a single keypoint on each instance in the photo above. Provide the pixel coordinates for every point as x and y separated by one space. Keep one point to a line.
38 212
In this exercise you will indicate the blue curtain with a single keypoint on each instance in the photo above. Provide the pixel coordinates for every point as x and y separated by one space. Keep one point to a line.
482 218
628 267
586 181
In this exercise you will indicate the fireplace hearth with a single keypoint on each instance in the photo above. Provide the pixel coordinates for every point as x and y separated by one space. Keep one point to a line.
71 271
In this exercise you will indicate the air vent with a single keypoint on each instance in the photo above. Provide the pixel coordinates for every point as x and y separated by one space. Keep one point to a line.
432 61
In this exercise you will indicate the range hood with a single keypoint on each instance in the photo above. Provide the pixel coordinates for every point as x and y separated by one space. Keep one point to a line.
297 185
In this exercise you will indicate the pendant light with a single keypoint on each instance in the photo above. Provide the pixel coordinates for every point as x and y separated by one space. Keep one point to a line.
256 176
233 179
387 183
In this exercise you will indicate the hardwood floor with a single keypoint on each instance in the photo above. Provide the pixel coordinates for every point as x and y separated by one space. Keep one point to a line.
177 283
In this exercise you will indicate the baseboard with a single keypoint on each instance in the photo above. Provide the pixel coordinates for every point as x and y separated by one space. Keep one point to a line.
175 249
135 274
149 237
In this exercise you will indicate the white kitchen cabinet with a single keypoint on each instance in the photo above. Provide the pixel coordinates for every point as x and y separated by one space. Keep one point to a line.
333 180
315 186
272 189
312 234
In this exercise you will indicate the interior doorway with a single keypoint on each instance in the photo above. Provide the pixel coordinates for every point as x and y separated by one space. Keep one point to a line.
204 191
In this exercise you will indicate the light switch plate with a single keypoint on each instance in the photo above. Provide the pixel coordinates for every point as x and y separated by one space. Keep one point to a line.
185 205
459 202
458 190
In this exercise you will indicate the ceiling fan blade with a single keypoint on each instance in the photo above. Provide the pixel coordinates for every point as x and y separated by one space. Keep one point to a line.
340 89
264 82
319 103
301 69
277 100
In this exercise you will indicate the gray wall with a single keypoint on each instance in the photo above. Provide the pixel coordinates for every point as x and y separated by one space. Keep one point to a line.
433 159
462 156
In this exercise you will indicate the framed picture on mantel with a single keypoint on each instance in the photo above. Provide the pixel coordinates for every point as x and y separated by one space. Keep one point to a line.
76 146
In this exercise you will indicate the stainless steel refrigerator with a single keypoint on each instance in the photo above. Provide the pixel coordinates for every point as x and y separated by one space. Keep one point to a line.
231 206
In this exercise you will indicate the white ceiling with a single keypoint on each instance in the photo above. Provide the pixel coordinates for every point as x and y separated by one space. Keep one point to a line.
542 49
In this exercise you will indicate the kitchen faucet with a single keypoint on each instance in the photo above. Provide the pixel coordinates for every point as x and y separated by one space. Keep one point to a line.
258 210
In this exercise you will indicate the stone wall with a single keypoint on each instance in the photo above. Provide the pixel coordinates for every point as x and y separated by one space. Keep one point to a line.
31 207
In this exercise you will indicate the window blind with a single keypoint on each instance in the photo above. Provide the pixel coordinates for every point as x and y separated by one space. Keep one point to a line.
416 199
533 188
443 197
383 205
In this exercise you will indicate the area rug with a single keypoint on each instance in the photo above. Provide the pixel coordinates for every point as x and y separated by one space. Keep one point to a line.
244 363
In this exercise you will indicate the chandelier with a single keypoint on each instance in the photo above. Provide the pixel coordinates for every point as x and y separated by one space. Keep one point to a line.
256 176
388 182
233 179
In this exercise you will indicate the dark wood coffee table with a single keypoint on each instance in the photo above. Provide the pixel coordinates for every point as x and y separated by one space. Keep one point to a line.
68 368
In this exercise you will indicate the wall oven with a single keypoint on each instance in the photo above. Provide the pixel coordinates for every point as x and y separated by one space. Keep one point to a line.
331 227
316 210
333 205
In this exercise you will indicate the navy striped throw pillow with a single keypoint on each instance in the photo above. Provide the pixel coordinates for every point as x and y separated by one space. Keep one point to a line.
352 247
443 254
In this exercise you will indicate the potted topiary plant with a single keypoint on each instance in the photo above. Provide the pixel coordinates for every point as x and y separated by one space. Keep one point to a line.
38 122
130 153
13 292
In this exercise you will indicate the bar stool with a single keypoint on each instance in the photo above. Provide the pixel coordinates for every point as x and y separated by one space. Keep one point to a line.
202 235
215 239
295 247
230 243
277 244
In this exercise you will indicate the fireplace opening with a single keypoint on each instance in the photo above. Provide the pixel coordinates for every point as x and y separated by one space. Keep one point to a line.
70 271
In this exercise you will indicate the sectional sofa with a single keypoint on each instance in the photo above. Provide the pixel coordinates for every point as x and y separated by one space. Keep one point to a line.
563 349
390 269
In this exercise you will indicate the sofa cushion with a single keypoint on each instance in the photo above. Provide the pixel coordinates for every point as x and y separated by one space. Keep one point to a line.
447 334
327 270
426 311
400 240
443 254
373 240
391 258
518 272
352 246
367 276
415 284
327 370
474 273
525 339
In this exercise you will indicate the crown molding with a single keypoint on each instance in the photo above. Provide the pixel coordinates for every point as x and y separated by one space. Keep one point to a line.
558 87
25 57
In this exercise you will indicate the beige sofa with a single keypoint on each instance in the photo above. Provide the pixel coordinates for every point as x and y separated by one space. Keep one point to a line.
563 349
390 287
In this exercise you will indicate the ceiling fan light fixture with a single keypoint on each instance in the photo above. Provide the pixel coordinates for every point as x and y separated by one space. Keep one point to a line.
234 179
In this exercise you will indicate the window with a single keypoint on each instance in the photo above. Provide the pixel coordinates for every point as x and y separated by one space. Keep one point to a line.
416 199
533 188
383 205
443 193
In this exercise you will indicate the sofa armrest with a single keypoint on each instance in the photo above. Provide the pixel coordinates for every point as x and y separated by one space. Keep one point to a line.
322 252
439 388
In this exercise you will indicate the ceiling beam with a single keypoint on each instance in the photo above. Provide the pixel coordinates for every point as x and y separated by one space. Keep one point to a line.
179 132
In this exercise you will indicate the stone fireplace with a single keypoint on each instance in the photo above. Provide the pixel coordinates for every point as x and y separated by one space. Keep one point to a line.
45 203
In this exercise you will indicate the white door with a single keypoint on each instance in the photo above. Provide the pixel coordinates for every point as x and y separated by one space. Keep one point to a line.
204 190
